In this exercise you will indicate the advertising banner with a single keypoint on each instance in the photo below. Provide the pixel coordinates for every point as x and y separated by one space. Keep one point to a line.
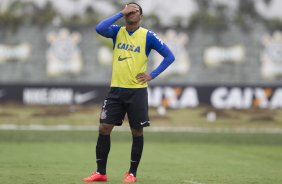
167 96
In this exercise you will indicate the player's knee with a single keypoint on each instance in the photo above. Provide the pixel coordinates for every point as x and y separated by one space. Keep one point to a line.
105 129
137 132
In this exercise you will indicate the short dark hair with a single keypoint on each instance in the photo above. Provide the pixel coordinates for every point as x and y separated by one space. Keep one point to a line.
140 8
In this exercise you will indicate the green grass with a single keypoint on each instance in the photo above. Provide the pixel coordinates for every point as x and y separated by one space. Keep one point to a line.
65 157
42 157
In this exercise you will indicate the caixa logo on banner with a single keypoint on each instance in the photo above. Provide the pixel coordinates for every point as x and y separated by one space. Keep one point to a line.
245 98
173 97
56 96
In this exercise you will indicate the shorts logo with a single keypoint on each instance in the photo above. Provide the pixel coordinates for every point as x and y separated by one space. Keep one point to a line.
103 114
145 122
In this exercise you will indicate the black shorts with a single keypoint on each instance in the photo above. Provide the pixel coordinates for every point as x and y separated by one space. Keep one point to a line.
120 101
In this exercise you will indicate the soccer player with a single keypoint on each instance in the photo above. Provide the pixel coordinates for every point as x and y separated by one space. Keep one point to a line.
128 93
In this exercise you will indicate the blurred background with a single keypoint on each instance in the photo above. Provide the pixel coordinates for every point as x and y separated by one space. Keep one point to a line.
228 54
217 43
215 113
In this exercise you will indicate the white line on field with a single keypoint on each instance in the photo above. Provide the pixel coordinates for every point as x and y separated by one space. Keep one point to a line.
192 182
65 127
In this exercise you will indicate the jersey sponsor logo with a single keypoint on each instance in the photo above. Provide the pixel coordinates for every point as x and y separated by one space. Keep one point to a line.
124 58
128 47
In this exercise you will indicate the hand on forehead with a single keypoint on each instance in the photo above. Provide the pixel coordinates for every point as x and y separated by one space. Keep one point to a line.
133 6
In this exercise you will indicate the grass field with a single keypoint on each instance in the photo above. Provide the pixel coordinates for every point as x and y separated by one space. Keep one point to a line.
42 157
65 157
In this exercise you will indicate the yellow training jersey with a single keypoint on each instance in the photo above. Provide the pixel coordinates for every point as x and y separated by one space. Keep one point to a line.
129 58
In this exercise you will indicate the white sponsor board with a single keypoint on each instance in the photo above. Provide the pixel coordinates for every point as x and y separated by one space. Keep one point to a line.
56 96
215 56
20 52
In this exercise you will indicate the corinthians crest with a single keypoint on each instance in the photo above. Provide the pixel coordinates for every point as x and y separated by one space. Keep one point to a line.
63 55
103 114
271 56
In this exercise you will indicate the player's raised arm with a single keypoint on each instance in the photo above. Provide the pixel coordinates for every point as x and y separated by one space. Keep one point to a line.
105 28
